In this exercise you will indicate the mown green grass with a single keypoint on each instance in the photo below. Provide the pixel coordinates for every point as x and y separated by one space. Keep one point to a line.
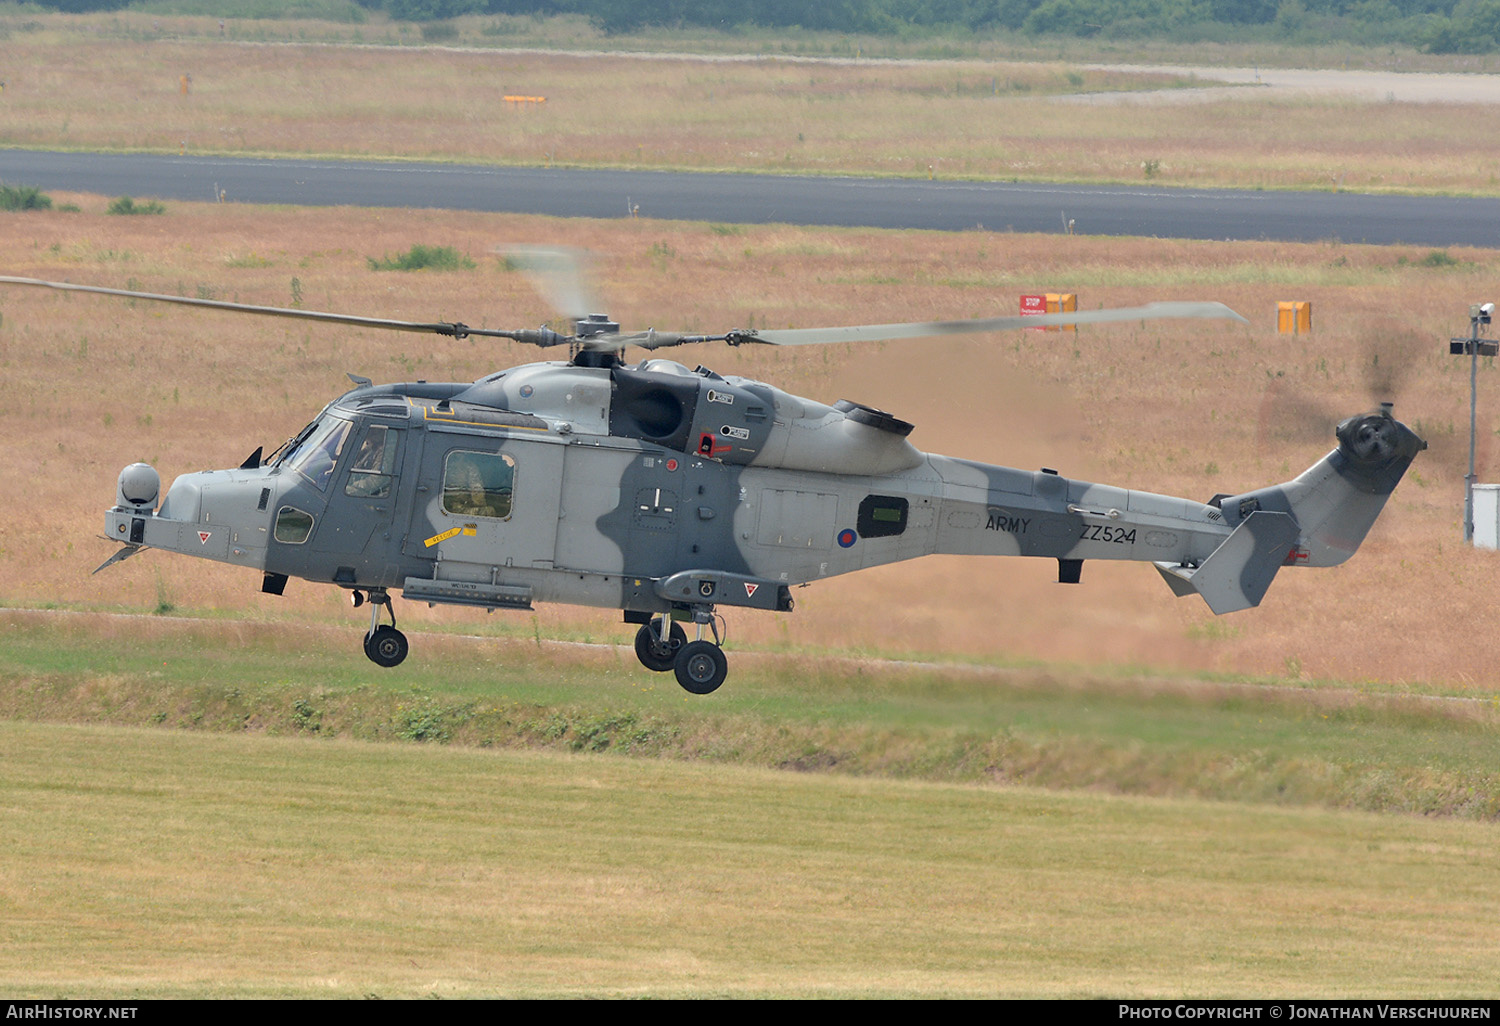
148 863
1134 735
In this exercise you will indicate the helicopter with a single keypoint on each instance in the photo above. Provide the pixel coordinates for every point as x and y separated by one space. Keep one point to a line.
667 492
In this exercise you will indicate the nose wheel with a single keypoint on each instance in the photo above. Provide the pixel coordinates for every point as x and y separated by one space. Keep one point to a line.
384 644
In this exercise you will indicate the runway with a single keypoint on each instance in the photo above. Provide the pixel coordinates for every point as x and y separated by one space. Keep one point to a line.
762 199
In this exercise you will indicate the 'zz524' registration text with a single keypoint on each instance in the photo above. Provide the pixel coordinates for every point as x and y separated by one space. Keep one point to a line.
1108 533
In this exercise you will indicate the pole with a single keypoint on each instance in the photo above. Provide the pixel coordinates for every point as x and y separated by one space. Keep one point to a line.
1480 315
1473 429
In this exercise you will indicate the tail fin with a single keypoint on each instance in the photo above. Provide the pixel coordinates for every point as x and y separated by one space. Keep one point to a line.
1319 519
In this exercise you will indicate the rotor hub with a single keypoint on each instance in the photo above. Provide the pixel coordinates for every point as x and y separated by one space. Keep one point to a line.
595 324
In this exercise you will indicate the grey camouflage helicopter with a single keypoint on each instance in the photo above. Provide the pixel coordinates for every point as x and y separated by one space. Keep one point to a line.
667 492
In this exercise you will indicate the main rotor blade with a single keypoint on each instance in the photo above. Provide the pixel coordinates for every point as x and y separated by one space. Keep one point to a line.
923 329
652 339
454 330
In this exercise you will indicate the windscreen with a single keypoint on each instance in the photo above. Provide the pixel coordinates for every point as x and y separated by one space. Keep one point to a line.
318 454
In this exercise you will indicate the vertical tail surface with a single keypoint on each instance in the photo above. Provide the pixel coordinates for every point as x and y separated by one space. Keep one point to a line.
1319 519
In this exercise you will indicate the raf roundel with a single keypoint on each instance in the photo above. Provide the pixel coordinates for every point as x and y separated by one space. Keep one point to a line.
847 538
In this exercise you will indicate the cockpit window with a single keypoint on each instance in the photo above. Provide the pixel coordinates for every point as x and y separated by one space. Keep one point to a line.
374 464
291 447
478 484
316 458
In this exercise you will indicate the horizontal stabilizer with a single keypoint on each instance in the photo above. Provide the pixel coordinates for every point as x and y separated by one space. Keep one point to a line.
1236 575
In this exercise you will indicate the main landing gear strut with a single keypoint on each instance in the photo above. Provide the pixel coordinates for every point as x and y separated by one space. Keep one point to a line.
699 665
385 645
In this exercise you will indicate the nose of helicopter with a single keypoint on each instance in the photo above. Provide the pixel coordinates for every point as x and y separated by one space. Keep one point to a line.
216 514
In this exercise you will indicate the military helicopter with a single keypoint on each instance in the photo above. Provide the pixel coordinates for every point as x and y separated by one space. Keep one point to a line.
666 492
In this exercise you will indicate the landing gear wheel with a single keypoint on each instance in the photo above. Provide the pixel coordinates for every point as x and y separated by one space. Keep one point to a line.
701 667
385 646
650 651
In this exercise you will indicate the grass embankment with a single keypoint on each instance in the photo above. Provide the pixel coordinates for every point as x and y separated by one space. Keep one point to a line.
1054 728
97 84
155 864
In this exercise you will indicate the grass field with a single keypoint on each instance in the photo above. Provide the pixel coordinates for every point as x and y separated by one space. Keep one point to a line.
566 33
218 866
565 825
1043 725
1058 791
115 82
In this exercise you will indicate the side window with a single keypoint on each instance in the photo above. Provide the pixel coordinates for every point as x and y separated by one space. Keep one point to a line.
478 484
882 515
292 525
374 464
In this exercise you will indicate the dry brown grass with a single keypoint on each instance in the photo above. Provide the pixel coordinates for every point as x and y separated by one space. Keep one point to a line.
91 384
78 85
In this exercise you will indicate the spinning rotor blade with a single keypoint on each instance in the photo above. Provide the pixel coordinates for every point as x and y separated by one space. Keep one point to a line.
561 267
538 337
652 339
1388 360
923 329
559 273
1289 414
1391 361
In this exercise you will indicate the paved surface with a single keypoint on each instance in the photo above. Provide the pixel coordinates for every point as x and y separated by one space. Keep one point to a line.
758 199
1259 83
